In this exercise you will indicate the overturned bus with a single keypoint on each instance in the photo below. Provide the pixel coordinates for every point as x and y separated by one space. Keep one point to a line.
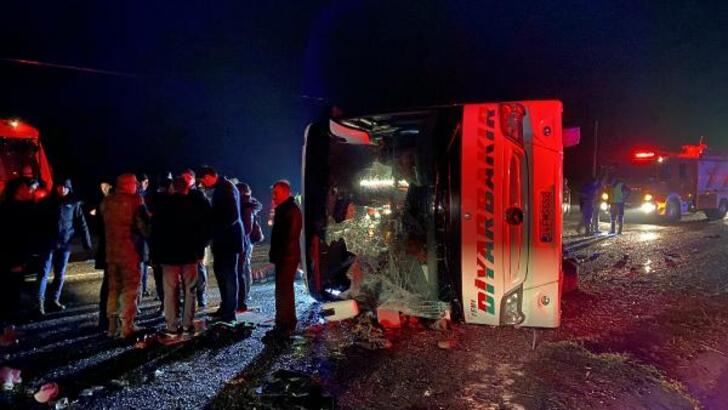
446 211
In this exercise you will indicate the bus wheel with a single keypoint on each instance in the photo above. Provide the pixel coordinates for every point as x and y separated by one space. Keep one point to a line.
672 213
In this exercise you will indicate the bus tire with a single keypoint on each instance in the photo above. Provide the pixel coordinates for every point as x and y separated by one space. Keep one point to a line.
672 211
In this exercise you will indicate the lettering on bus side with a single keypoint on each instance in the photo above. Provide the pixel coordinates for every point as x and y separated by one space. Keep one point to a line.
485 216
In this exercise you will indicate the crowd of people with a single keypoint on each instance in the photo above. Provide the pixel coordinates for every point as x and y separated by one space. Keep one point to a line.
173 230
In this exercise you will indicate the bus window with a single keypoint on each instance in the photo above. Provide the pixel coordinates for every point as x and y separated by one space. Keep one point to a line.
683 171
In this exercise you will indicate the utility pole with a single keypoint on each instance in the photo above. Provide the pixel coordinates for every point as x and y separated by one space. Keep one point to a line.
596 146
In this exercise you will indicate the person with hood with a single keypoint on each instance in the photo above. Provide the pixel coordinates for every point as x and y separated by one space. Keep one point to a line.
180 236
227 239
249 208
125 223
66 219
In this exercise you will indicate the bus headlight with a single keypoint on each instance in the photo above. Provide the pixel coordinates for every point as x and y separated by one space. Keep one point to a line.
605 196
648 197
604 206
511 313
648 207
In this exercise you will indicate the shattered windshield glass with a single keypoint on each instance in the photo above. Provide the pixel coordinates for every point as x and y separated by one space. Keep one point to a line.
371 211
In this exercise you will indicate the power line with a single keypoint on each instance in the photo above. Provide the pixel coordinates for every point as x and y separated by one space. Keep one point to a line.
68 67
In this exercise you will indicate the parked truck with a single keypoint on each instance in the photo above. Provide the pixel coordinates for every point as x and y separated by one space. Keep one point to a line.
449 210
668 185
22 154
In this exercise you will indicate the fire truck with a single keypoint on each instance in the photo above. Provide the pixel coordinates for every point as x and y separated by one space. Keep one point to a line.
21 152
456 205
669 185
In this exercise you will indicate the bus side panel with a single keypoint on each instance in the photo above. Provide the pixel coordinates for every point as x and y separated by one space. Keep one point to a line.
481 215
542 288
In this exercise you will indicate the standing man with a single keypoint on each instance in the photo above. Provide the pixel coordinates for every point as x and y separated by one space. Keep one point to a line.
180 239
249 208
143 190
587 203
191 178
618 194
227 239
67 219
285 254
125 221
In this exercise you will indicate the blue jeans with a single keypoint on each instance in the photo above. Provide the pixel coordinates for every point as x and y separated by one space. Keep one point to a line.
56 261
225 266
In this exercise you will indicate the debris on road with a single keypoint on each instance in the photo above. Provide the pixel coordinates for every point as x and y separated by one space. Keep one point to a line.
447 344
10 337
46 393
389 318
340 310
290 389
622 263
10 377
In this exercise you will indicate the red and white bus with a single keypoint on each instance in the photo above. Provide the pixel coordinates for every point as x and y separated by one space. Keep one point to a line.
457 206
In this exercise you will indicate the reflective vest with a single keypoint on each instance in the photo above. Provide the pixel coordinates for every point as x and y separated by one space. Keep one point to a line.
617 194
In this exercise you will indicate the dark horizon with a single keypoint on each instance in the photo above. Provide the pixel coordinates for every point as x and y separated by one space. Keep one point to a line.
235 85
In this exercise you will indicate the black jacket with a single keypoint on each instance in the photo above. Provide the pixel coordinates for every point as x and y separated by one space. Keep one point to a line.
249 208
180 229
227 228
285 239
68 217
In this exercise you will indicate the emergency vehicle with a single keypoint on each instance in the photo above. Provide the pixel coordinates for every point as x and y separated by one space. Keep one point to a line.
669 185
21 149
467 197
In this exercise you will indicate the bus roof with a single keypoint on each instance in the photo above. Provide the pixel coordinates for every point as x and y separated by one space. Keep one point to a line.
10 128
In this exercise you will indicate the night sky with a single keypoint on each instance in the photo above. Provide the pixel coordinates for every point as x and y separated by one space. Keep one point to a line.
234 83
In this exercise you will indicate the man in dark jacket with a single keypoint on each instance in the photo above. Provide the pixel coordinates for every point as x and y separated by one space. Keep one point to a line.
249 208
66 218
180 234
227 239
285 254
190 177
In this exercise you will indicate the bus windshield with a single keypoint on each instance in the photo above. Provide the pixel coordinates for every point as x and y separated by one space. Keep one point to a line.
371 208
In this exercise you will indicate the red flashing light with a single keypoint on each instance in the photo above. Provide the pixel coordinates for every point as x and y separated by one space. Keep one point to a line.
644 155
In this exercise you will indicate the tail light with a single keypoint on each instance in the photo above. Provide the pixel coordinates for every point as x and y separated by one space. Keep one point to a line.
511 121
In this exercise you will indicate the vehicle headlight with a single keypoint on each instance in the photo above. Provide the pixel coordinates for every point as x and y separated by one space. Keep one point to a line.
648 197
511 312
604 206
605 196
648 207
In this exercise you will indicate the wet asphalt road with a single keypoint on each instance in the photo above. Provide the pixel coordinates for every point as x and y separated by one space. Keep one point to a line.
653 266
